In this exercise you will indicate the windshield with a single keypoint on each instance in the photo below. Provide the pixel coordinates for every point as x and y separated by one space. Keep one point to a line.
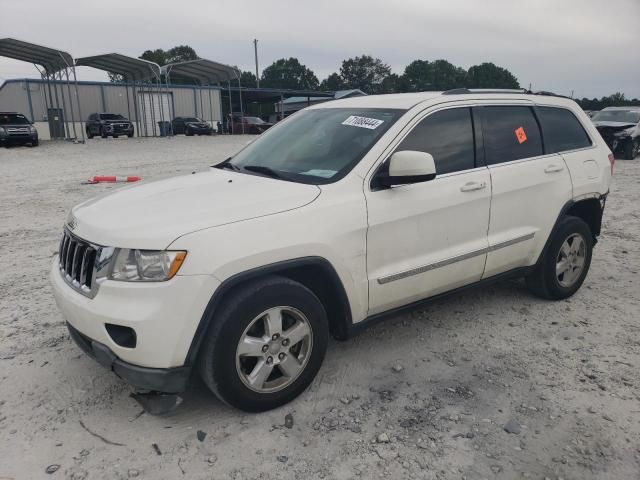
319 145
13 119
111 116
627 116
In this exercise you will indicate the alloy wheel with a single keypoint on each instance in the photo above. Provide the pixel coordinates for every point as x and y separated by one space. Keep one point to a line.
571 260
274 349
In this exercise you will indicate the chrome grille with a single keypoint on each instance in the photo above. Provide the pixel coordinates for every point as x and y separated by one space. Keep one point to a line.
77 259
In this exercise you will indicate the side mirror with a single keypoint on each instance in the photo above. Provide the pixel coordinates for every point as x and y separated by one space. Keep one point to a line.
406 167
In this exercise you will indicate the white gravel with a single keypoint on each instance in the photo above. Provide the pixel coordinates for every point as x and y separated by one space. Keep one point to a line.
564 375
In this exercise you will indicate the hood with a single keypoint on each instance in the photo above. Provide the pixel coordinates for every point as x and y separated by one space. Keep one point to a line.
616 125
152 215
109 122
197 124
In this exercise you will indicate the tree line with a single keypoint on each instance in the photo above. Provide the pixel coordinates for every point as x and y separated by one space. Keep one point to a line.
373 76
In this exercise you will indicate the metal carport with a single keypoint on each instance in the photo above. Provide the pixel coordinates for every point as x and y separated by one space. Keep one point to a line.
204 72
50 63
138 73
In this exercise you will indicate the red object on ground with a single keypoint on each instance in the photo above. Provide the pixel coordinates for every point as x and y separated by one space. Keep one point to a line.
112 179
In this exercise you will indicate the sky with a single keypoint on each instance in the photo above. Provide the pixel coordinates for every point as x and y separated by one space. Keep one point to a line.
589 48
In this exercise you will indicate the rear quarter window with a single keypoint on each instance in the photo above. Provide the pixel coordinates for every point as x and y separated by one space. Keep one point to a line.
510 133
562 131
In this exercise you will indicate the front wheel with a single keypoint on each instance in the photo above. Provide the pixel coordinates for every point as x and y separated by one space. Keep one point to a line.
89 134
565 263
632 149
265 345
103 133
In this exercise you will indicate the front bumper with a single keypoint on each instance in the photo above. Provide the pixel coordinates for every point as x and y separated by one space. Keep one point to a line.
167 380
18 139
164 316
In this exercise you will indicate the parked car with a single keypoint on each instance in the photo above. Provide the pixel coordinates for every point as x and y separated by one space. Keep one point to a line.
340 216
108 125
16 129
252 125
190 126
620 128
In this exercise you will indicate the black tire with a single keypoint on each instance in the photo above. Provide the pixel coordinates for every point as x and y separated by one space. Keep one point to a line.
103 133
632 148
35 143
188 132
89 134
116 136
130 135
543 281
217 356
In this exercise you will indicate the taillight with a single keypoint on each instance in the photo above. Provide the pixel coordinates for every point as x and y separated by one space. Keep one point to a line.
612 161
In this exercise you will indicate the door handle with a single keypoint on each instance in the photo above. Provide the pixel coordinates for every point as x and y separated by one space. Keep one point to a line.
553 168
472 186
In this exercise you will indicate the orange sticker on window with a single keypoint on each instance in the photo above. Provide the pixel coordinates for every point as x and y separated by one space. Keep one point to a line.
520 135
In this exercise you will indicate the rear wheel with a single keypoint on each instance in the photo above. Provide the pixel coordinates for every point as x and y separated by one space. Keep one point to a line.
632 149
266 344
565 264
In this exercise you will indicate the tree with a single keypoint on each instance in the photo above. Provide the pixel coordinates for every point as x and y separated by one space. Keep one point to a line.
488 75
248 79
365 72
289 73
180 53
332 83
422 75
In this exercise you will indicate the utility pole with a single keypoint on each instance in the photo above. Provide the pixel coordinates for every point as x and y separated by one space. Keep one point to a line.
255 50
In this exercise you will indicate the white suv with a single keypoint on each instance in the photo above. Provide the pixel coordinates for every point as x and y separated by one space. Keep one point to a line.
338 216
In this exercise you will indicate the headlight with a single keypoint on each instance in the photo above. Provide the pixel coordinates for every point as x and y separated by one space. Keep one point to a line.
32 129
131 265
3 132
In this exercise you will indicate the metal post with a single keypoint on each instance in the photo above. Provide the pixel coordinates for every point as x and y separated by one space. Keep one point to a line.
281 106
75 81
73 122
211 105
201 103
255 50
143 104
152 104
29 99
64 105
230 109
241 108
126 91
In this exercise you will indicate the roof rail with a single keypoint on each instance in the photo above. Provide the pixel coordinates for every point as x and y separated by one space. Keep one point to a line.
463 91
466 91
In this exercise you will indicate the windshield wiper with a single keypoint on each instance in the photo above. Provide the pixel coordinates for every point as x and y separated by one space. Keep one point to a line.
228 165
265 170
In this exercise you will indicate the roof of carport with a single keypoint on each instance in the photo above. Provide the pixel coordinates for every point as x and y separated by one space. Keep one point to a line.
203 71
130 68
51 59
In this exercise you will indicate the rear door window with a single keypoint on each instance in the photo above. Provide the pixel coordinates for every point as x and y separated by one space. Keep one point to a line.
510 133
561 130
448 136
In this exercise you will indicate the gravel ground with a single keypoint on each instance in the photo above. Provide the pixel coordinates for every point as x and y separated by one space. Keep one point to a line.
492 383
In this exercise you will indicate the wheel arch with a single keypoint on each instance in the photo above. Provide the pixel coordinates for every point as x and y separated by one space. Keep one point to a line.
315 273
589 209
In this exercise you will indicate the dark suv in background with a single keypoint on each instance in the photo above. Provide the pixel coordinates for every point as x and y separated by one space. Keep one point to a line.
190 126
16 129
108 125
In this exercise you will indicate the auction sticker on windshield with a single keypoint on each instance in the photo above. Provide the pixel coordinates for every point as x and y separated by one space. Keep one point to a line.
363 122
